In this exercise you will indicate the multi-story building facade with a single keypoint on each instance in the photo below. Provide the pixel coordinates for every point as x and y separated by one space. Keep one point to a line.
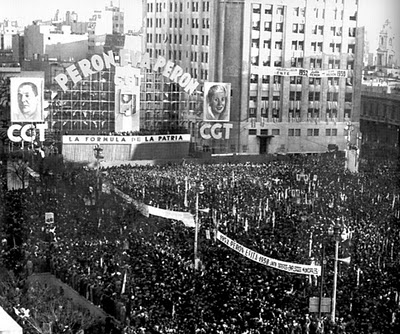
54 42
294 68
9 55
102 23
380 119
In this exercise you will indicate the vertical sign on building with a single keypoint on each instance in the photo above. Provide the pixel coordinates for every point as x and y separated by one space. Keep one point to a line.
127 98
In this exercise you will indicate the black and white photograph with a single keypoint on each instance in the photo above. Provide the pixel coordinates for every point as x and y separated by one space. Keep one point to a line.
200 167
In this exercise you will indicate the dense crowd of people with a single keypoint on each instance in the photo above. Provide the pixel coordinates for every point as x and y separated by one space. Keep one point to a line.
140 269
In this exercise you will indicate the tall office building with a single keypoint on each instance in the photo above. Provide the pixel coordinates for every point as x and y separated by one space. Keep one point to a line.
293 66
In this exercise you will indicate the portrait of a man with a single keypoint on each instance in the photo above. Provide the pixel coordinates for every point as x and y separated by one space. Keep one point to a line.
26 99
217 102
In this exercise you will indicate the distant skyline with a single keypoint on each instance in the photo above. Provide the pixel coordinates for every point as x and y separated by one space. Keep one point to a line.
26 11
372 13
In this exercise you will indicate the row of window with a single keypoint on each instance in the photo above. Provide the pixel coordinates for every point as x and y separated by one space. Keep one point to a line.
298 45
294 80
178 23
178 6
177 39
380 110
299 62
295 114
279 10
296 132
338 14
312 96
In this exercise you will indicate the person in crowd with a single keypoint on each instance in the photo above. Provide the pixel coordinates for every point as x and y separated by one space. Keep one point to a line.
140 271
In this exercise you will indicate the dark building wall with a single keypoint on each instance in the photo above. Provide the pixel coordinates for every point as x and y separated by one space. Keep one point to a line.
73 51
33 42
380 121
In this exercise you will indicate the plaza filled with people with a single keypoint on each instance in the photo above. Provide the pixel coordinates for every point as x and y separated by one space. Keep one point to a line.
140 270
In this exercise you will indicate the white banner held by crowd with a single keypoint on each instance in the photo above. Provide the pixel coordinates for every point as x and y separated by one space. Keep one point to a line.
146 210
304 269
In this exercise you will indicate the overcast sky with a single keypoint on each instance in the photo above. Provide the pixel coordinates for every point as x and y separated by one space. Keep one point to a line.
373 13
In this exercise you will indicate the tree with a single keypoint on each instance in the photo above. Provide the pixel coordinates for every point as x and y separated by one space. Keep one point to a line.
18 171
47 310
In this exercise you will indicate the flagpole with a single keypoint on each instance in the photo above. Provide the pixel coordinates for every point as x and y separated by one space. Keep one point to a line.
199 190
196 230
335 272
321 288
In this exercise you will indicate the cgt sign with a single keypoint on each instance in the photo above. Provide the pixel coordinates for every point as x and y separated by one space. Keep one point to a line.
215 130
26 132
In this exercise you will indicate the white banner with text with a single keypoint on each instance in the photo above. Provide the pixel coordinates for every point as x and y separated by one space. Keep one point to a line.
294 268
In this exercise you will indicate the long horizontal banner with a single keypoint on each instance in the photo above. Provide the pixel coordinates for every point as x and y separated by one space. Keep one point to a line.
301 72
185 217
124 139
293 268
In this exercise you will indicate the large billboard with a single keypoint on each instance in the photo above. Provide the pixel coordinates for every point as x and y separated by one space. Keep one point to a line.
217 100
27 99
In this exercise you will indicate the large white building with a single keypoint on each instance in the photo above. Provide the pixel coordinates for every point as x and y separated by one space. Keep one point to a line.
294 67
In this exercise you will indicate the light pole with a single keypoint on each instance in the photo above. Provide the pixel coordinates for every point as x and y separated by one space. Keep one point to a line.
199 190
98 154
321 288
336 235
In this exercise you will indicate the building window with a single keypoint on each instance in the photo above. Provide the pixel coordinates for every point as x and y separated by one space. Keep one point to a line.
268 9
254 78
267 44
297 132
278 45
291 132
279 27
275 132
265 79
297 62
298 45
312 132
267 26
252 132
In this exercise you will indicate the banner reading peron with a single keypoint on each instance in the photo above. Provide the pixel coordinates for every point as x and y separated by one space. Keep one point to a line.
294 268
